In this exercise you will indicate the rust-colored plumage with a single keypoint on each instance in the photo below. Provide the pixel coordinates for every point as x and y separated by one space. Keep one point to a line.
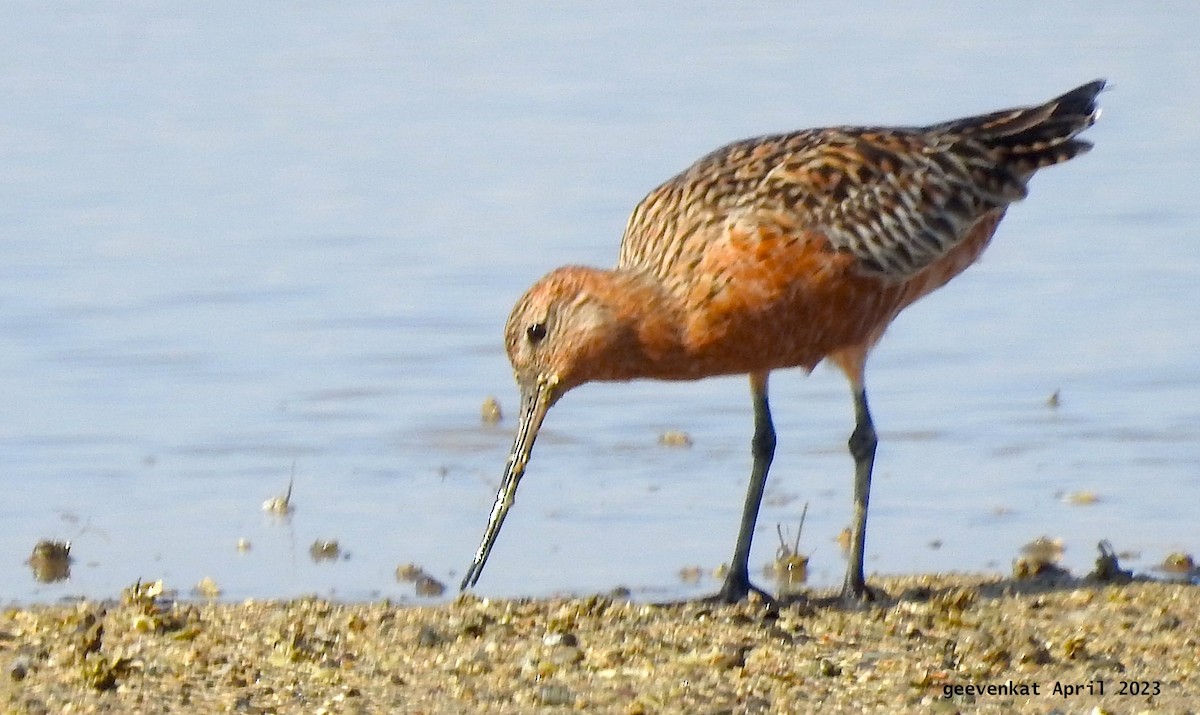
776 252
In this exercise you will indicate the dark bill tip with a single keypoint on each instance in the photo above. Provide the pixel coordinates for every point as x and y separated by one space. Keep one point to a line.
535 401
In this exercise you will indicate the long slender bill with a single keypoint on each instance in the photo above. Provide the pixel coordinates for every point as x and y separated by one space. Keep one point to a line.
535 402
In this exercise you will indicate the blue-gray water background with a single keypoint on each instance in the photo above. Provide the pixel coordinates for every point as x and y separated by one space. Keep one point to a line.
237 237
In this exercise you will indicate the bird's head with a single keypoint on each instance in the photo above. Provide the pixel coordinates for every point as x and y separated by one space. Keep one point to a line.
575 325
563 332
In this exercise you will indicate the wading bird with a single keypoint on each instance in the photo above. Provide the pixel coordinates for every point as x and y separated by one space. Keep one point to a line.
778 252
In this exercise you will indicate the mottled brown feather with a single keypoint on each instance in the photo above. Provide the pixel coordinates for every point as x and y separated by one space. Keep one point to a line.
897 199
788 249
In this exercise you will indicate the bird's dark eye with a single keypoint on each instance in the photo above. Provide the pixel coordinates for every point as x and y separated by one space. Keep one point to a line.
536 332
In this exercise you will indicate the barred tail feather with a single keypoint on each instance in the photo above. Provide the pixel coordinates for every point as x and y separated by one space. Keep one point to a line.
1029 138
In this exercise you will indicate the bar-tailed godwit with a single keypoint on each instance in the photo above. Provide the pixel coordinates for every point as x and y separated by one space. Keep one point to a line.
778 252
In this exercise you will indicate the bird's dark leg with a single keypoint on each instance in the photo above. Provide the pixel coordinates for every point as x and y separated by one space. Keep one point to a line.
862 446
737 582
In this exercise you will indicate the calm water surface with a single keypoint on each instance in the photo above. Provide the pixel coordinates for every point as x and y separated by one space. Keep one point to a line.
247 239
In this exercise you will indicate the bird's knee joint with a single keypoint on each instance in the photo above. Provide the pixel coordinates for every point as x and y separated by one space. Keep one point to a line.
863 441
763 444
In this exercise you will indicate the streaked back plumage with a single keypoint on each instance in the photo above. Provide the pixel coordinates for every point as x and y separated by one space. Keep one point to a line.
897 199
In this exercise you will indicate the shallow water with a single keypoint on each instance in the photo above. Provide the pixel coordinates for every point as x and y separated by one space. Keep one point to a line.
241 241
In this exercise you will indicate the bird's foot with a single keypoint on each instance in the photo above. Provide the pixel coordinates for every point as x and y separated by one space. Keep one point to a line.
737 588
856 592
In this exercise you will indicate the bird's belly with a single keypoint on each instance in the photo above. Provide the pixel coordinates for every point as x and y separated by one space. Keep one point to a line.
797 330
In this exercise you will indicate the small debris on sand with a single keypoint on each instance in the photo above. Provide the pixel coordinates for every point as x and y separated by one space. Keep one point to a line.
325 550
675 438
149 653
280 506
489 411
50 561
424 585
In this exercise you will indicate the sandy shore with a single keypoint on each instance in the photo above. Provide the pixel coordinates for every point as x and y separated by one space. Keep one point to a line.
1068 646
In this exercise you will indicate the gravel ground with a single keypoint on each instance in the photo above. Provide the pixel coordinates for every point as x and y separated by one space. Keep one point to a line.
1068 638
